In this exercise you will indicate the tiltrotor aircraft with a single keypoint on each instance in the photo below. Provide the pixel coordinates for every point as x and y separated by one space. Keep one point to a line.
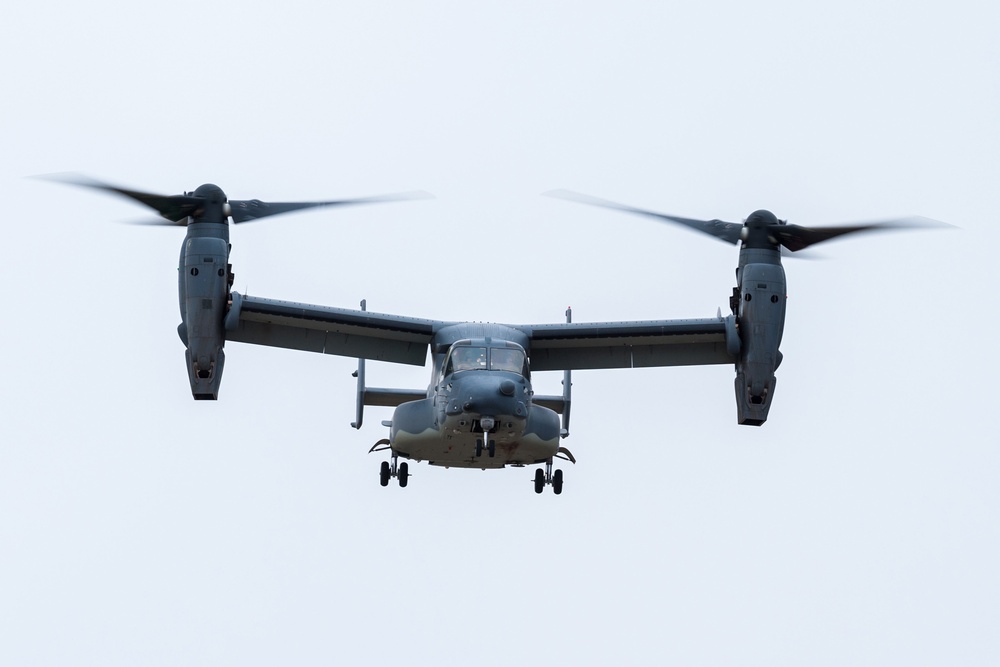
479 409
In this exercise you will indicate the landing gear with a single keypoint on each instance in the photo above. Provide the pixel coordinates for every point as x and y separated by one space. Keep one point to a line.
554 478
544 477
387 471
491 448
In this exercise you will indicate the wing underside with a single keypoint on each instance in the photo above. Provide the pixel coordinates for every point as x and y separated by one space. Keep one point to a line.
645 344
398 339
339 331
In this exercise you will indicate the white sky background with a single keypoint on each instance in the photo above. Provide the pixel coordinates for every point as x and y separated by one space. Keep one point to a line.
858 526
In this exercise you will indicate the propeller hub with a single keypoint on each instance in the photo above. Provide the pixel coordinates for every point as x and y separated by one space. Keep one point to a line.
215 208
211 193
761 219
757 230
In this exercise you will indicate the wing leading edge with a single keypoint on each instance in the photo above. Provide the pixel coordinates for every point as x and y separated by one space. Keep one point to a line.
398 339
340 331
641 344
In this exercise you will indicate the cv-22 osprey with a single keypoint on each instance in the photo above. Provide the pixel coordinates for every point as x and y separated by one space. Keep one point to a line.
479 409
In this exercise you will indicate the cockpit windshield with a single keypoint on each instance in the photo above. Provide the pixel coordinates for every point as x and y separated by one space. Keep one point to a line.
472 358
506 359
467 359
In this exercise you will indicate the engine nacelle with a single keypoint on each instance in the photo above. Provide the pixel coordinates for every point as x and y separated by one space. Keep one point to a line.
203 287
761 317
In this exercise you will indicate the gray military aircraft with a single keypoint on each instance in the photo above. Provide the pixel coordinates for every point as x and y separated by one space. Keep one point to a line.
479 409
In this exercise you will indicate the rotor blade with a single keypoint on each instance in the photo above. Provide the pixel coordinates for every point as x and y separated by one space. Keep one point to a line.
157 222
725 231
246 210
802 254
172 207
796 237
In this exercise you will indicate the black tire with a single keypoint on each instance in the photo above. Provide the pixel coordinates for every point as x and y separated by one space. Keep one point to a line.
492 449
479 448
383 474
557 481
403 473
539 480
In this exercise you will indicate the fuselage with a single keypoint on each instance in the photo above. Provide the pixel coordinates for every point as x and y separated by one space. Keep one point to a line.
478 412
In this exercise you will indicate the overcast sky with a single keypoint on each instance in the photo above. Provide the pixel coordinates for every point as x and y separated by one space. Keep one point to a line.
858 526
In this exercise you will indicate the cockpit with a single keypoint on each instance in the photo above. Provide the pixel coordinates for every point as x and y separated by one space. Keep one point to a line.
466 355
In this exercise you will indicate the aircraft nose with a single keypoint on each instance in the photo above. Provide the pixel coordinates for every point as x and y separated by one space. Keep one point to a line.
486 395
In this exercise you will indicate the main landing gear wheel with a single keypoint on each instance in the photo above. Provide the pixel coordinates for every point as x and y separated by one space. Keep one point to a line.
387 471
546 477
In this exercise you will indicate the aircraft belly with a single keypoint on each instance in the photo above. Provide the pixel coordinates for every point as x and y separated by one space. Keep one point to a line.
454 444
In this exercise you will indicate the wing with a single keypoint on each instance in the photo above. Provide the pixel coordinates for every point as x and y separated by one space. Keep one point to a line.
340 331
573 346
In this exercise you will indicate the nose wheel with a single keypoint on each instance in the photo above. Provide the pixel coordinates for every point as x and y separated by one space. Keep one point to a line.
491 448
